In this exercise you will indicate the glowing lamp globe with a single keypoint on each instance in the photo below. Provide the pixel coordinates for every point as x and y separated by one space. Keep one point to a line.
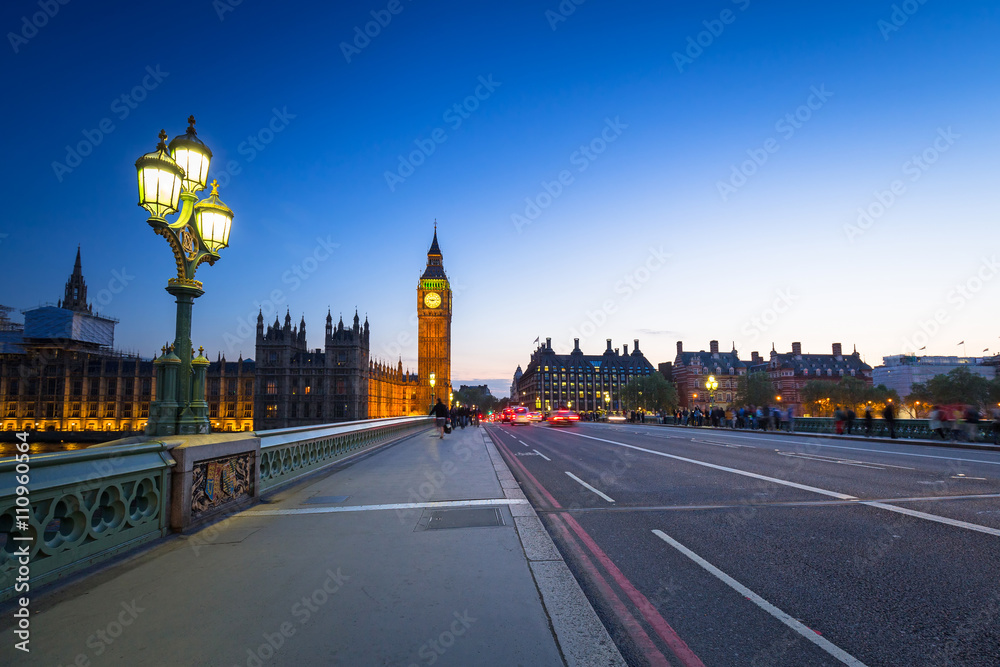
214 220
192 156
159 180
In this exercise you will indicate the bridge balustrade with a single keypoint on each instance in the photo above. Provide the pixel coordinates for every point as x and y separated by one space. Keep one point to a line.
89 505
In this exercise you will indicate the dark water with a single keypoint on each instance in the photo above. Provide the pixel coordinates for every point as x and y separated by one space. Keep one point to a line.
10 448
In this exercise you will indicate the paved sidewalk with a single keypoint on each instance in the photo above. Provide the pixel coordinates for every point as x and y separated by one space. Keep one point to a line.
325 574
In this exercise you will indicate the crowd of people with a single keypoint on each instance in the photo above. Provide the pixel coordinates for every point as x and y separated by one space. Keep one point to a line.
960 422
459 417
764 418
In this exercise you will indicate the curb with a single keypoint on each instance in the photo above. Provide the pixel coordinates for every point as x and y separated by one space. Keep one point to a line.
582 638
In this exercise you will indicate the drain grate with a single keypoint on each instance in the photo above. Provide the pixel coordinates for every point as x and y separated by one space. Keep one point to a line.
324 500
463 518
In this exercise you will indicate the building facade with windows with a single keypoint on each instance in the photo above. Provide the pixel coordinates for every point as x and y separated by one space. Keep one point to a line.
59 371
691 370
299 386
790 371
579 381
901 372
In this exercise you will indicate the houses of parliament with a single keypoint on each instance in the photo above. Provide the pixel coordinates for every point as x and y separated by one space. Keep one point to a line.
59 370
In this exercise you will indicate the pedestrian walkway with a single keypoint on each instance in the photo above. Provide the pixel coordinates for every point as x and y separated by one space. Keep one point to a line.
424 552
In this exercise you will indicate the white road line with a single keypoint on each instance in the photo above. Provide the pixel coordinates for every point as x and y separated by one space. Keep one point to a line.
934 517
542 455
609 499
490 502
827 459
524 443
813 489
806 632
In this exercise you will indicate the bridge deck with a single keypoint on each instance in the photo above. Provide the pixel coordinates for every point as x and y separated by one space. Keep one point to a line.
300 581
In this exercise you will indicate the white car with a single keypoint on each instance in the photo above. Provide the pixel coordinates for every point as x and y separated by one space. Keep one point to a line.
521 416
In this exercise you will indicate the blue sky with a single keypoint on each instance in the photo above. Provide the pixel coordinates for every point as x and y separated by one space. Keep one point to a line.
751 172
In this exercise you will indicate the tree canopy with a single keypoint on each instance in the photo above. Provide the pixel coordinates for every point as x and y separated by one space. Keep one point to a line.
651 393
959 386
821 397
755 389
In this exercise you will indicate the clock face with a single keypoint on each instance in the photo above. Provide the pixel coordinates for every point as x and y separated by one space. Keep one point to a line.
432 299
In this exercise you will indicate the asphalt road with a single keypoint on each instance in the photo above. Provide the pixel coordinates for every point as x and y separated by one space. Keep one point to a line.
720 548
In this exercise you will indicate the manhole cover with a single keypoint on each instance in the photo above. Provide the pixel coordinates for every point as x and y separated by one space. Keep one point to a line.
324 500
471 518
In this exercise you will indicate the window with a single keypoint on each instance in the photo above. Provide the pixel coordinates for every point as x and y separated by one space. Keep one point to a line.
77 387
129 386
247 410
231 387
74 410
230 410
248 387
144 410
12 409
213 387
92 410
94 386
272 387
271 410
127 411
109 410
213 410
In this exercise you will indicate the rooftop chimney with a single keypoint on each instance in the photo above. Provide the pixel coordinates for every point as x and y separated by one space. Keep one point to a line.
713 346
837 350
609 346
548 343
755 357
797 349
636 348
576 343
625 347
680 347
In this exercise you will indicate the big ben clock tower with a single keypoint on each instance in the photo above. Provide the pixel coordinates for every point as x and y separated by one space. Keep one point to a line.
434 328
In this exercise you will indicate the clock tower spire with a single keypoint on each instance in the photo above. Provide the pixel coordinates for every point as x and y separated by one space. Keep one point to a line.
434 328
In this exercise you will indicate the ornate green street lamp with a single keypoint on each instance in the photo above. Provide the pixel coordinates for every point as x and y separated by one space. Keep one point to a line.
201 229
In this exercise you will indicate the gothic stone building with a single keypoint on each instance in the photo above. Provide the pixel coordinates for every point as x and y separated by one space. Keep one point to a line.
59 371
298 386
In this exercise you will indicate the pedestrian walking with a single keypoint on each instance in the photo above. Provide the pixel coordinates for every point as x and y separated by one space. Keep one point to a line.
936 425
838 420
889 415
440 413
869 421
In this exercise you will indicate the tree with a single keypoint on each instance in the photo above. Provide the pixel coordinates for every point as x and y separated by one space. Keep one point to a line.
959 386
754 389
651 393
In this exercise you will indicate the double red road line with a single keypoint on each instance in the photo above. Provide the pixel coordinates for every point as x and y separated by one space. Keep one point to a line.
586 551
